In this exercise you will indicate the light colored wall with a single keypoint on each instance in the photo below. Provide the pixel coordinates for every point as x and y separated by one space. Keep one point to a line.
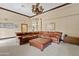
12 18
66 19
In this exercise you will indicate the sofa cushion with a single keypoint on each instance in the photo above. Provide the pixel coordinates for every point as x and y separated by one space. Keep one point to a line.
44 36
56 34
55 40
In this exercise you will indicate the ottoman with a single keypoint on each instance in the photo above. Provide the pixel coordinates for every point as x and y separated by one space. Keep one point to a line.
40 43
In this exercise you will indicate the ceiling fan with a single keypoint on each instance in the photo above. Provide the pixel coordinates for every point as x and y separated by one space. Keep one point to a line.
37 9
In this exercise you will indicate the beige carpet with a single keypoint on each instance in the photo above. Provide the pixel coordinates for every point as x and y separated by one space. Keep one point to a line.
63 49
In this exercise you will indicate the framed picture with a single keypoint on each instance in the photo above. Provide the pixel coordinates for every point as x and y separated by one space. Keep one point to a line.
8 25
53 25
24 27
50 26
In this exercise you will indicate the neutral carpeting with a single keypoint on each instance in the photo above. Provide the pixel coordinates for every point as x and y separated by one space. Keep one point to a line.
62 49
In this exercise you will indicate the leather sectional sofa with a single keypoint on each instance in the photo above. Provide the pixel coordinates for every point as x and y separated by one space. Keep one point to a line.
40 39
45 38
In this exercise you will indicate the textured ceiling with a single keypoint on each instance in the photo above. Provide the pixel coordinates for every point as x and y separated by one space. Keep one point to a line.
26 8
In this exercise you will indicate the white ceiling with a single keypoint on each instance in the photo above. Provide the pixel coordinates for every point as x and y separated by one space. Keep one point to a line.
26 8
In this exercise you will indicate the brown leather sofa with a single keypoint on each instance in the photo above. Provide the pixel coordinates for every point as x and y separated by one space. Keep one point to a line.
45 38
39 39
25 37
54 36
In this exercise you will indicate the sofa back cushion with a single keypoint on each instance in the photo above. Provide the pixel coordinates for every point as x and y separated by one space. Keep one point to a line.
54 34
